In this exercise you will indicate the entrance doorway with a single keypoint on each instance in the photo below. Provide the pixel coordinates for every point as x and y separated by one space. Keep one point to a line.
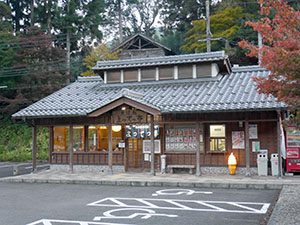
135 154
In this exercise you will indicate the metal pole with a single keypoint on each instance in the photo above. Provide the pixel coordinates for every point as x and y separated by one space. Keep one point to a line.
208 41
34 148
152 146
71 146
279 145
247 148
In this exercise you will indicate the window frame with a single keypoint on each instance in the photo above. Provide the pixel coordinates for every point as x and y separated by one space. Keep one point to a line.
217 138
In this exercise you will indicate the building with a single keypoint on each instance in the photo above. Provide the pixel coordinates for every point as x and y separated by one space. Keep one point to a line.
196 109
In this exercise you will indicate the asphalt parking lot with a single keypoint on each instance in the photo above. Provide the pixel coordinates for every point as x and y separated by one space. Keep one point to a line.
64 204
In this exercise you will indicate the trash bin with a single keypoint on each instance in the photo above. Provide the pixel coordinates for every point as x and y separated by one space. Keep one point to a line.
163 163
274 164
262 164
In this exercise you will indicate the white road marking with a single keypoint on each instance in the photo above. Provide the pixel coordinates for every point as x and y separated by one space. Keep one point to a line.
146 214
64 222
180 192
175 204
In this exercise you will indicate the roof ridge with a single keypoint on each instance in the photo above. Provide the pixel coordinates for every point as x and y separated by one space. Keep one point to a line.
248 68
89 78
204 54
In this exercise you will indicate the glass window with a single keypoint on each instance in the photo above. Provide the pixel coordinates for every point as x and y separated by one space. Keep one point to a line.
60 139
185 71
103 138
148 73
217 138
78 138
181 138
93 138
116 136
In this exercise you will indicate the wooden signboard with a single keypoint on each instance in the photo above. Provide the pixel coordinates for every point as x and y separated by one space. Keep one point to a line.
129 116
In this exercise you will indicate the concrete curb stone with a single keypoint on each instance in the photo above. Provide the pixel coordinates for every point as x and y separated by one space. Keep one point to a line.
136 183
154 184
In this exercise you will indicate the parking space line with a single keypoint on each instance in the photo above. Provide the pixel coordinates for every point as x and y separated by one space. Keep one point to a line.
64 222
175 204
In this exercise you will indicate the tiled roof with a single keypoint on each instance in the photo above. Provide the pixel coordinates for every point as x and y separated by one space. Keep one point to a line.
162 60
234 92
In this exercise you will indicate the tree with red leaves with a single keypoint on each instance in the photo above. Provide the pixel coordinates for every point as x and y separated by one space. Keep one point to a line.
280 53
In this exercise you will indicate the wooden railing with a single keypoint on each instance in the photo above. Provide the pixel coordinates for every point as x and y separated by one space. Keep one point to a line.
87 158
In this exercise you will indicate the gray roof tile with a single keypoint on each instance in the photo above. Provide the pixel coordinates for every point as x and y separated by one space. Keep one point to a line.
233 92
162 60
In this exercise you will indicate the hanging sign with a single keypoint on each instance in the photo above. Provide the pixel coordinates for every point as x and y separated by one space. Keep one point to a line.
141 131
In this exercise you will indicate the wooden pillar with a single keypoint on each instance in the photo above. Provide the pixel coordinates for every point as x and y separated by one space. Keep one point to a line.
86 138
71 146
34 147
198 170
152 171
110 150
247 148
279 145
126 147
51 143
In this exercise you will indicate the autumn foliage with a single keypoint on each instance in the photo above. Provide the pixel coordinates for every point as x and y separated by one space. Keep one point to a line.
280 29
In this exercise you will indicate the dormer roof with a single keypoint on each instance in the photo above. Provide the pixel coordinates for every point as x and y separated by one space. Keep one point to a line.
163 60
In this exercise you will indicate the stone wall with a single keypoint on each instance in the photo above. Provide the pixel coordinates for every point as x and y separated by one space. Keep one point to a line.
87 168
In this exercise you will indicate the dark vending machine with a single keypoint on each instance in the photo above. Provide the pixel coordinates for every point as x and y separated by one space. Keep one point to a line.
293 149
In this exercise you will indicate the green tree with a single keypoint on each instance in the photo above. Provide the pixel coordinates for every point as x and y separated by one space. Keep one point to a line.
224 24
19 12
180 14
8 45
99 53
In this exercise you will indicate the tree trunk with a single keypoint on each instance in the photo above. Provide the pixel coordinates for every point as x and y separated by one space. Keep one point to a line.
32 13
120 21
48 15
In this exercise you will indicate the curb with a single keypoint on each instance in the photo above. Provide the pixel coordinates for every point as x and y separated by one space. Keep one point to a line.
255 186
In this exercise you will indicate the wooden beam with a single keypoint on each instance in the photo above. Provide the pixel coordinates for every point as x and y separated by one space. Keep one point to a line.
247 148
152 147
110 150
198 170
126 147
34 147
71 146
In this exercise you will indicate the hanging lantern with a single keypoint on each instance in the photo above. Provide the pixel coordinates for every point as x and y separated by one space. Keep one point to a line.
116 128
232 164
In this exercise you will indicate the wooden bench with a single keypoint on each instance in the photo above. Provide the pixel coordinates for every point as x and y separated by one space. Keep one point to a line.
189 167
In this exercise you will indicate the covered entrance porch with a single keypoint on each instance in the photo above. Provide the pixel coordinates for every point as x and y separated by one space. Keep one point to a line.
111 138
